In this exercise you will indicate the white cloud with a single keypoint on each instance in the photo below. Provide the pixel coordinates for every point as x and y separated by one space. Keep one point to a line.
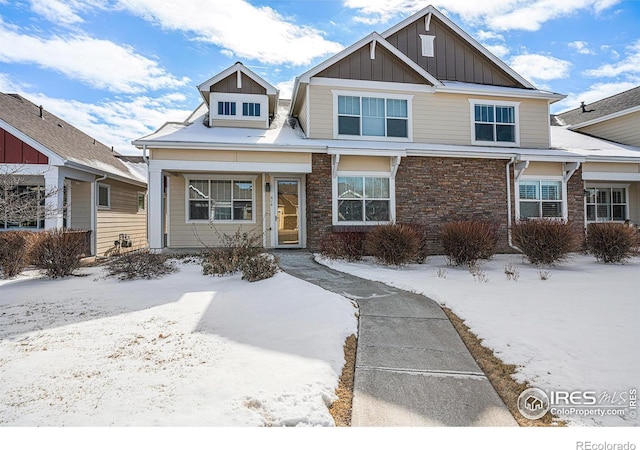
285 88
540 67
239 28
503 15
581 47
629 65
56 11
484 36
98 63
595 92
499 50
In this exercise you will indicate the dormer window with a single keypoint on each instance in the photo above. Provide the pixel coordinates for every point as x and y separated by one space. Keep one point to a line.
226 108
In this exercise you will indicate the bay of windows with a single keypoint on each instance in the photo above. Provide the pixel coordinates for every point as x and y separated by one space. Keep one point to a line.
540 198
220 200
363 199
606 204
372 116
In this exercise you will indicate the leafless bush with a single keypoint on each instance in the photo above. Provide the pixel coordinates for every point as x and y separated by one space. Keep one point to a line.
466 242
234 250
259 267
544 274
478 274
139 264
611 242
441 273
545 242
58 252
512 272
393 244
348 245
421 232
14 252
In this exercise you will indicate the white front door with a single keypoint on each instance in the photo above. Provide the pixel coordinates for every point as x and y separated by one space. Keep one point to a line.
287 212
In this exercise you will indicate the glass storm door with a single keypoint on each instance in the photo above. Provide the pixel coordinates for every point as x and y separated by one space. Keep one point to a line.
287 217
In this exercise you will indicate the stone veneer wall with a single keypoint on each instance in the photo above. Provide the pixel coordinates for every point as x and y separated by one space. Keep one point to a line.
433 191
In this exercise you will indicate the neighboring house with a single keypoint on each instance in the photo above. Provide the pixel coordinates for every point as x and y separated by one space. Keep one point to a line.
95 189
615 118
418 124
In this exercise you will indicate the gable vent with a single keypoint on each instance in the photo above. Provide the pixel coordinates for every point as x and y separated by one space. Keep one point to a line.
427 45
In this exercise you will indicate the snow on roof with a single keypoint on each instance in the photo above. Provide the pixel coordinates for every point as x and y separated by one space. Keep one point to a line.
581 144
499 90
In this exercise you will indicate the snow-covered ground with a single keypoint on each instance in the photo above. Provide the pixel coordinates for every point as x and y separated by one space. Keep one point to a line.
576 331
184 350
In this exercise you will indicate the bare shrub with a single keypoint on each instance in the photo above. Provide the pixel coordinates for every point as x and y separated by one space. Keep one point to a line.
512 272
348 245
58 252
478 274
393 244
422 233
259 267
611 242
544 274
466 242
14 252
545 241
441 273
235 249
139 264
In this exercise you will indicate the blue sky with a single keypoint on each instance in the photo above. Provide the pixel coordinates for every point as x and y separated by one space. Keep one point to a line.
118 69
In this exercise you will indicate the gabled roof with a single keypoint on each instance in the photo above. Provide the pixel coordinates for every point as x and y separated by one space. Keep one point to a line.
617 105
430 10
206 86
53 136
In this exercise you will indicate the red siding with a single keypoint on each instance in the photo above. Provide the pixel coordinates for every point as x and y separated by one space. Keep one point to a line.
14 151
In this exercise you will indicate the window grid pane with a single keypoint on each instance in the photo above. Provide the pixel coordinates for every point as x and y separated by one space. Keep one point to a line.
350 187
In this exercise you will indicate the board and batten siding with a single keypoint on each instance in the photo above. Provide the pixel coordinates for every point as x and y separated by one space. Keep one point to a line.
80 205
439 118
625 129
197 235
303 118
231 123
123 217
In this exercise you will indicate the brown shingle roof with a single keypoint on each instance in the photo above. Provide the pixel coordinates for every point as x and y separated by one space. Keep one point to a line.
60 137
602 108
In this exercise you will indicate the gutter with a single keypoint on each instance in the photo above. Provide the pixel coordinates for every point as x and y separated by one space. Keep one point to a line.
509 221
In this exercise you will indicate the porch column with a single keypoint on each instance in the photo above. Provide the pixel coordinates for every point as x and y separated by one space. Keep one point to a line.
155 228
54 201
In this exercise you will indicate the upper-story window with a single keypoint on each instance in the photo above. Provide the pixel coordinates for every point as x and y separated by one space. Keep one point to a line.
372 117
226 108
251 109
495 123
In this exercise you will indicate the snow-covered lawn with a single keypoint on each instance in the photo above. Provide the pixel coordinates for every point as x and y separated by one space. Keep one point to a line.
577 330
181 350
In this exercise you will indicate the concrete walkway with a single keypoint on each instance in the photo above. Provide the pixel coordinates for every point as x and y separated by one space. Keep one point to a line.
412 368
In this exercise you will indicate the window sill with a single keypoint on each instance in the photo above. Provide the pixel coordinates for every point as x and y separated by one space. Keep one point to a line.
496 144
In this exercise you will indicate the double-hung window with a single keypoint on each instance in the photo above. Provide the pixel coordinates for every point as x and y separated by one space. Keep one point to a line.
606 204
363 199
251 109
226 108
372 116
540 198
104 196
220 200
495 122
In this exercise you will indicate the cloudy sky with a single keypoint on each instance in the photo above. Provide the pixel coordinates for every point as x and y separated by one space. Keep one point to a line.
118 69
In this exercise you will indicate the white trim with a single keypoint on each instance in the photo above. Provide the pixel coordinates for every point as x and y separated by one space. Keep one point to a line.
217 177
206 86
212 166
596 186
155 213
540 178
103 207
464 35
307 128
238 99
427 22
334 197
489 102
613 176
614 115
166 211
144 199
366 84
365 152
94 218
372 49
383 95
458 87
301 212
54 158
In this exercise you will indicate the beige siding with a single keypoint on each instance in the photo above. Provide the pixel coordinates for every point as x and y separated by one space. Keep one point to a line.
80 205
440 118
365 163
610 167
194 235
230 123
634 203
625 130
544 169
232 156
122 217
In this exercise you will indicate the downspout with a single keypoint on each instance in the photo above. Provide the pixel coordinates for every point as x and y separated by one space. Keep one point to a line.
509 222
144 154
